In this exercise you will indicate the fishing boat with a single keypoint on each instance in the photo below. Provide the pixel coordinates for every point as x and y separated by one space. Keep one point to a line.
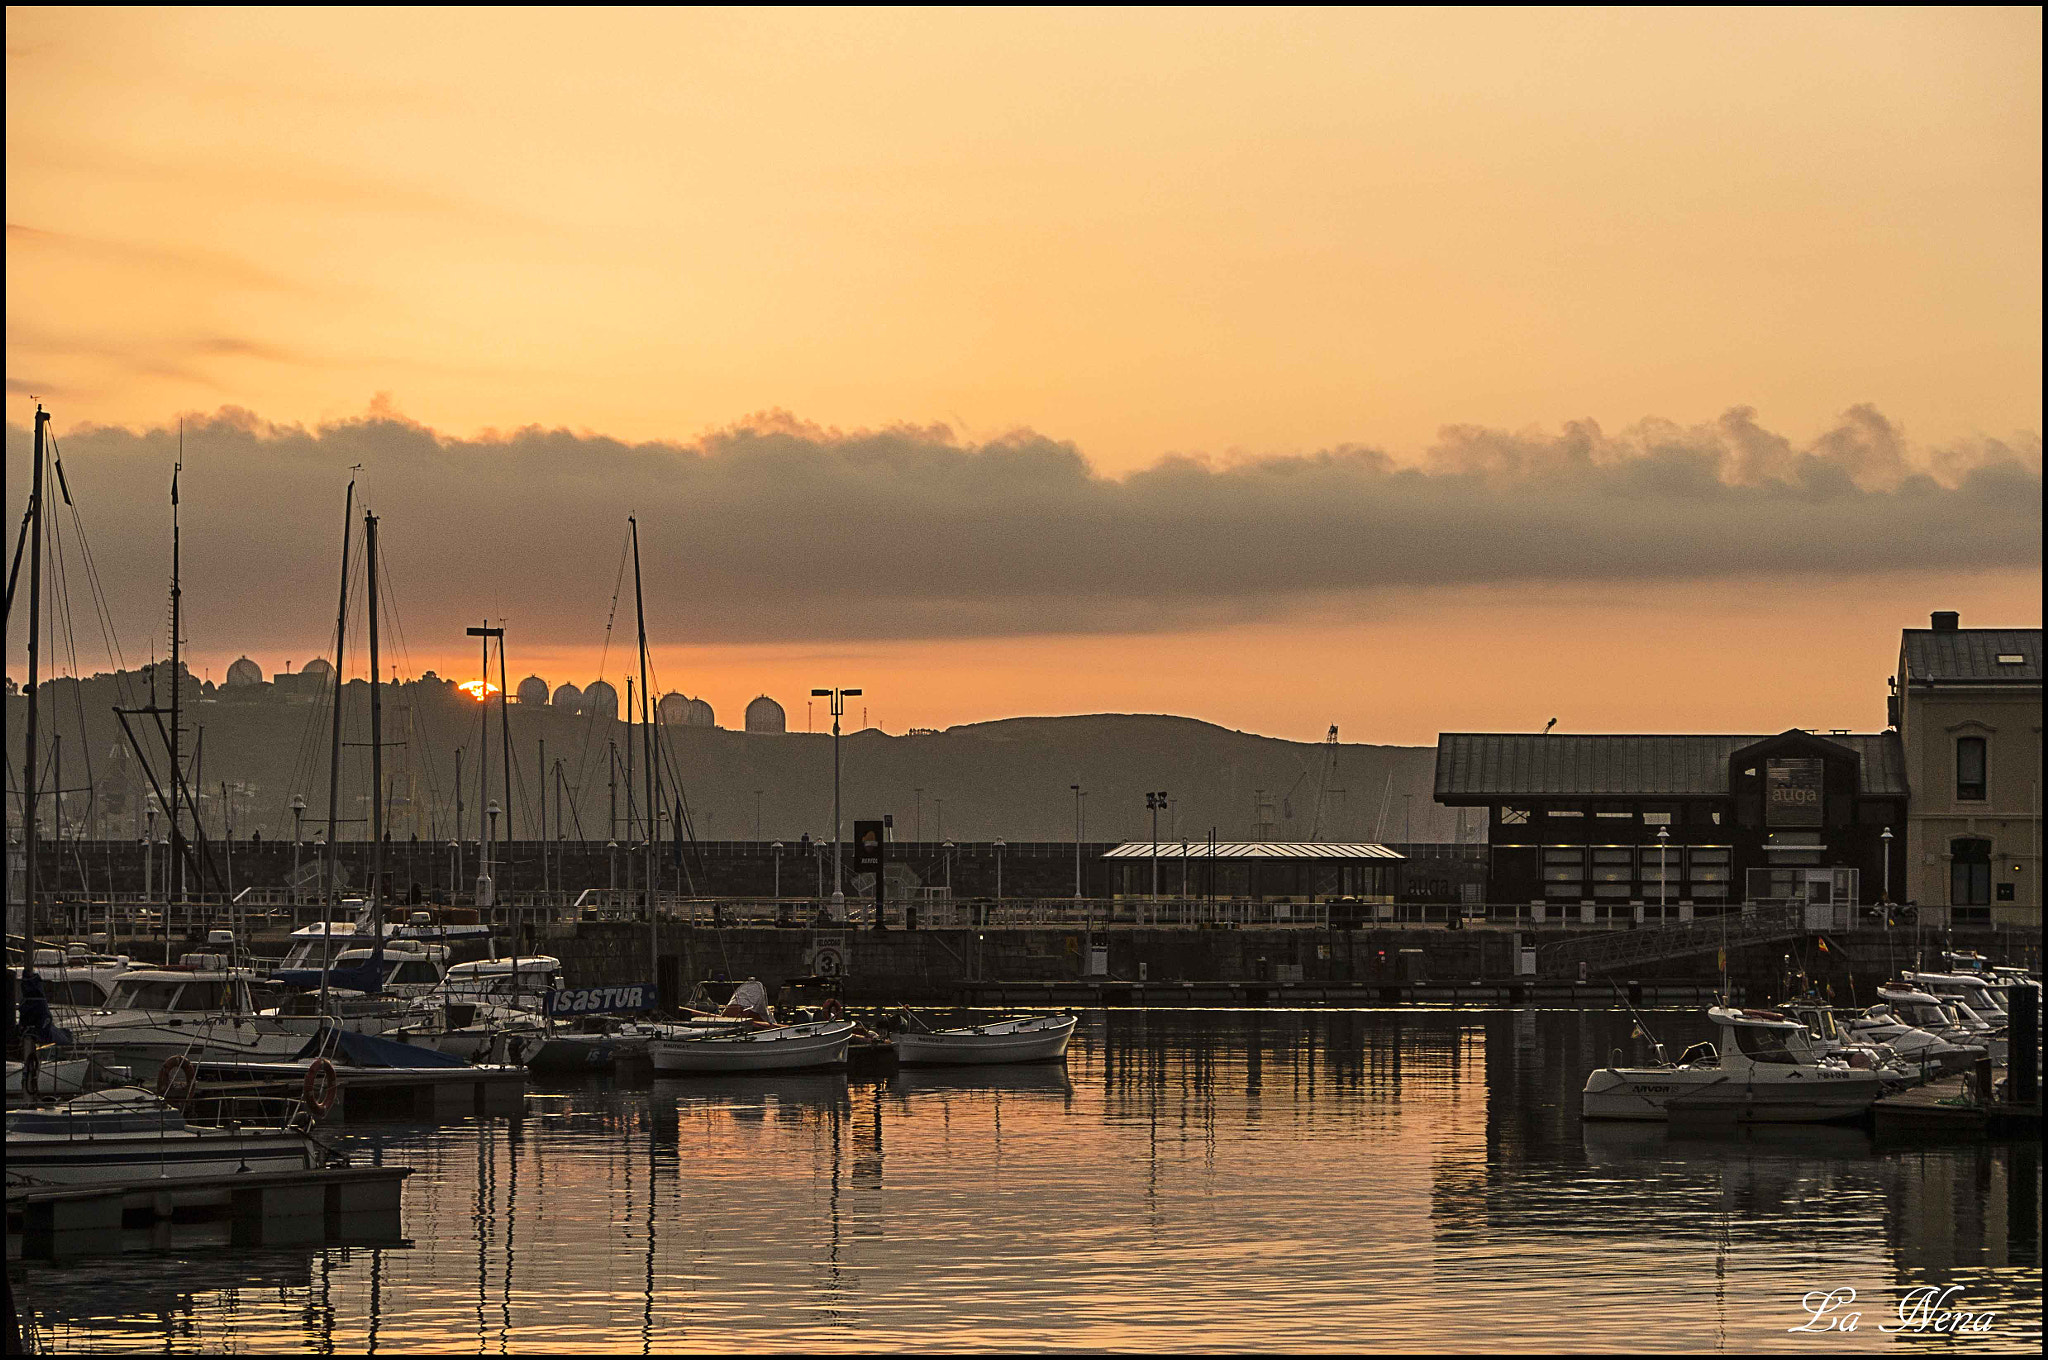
750 1046
1767 1069
128 1133
1034 1038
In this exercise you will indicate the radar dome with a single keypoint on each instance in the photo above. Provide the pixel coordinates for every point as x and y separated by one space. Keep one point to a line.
699 714
317 666
245 672
765 715
601 701
674 709
568 698
532 690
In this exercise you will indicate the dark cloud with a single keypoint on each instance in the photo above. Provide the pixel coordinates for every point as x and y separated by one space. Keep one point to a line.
777 530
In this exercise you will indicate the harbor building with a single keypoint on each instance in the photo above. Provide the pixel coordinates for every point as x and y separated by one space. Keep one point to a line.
1967 706
1649 828
1257 871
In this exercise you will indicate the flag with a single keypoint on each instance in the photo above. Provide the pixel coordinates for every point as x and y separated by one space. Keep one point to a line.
1823 945
174 483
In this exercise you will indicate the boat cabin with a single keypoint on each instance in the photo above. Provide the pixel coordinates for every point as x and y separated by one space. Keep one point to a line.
1764 1037
207 991
461 941
525 976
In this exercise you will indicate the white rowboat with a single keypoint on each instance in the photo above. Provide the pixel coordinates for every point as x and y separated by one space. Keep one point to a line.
1037 1038
781 1049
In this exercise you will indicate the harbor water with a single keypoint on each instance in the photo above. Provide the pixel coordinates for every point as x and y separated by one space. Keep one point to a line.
1189 1180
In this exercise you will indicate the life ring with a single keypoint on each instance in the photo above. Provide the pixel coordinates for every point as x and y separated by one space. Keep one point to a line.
831 1008
176 1079
322 1084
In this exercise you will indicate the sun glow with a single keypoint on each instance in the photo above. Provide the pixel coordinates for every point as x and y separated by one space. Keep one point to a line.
478 690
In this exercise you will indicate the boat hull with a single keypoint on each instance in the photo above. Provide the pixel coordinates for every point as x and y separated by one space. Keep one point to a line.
1653 1093
787 1049
55 1160
1033 1042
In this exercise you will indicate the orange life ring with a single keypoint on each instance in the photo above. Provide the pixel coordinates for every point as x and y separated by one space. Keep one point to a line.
831 1008
321 1086
177 1078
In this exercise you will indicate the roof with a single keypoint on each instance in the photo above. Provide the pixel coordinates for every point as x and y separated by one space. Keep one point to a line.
1971 654
1477 765
1252 850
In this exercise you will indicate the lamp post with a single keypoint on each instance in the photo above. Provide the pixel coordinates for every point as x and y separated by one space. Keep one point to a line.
454 869
1154 802
611 854
298 823
999 868
775 850
948 848
838 698
1663 883
1886 837
1078 795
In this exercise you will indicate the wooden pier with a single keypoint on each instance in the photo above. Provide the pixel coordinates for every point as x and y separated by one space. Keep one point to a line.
352 1204
1958 1106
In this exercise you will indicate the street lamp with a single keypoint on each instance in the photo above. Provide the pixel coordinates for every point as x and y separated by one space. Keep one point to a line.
1886 837
838 698
298 822
454 870
1663 884
611 854
776 851
1154 802
948 848
1078 796
999 868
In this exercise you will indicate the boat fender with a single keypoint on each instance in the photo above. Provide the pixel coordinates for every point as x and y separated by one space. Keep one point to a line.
176 1078
321 1085
1763 1015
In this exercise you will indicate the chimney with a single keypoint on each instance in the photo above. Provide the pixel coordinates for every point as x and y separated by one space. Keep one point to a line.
1946 620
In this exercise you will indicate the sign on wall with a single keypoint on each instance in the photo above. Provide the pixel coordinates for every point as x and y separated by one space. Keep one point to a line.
633 996
1792 791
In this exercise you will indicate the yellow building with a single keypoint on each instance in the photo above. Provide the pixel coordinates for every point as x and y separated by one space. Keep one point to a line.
1967 704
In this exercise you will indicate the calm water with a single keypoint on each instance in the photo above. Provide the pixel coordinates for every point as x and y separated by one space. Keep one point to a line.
1191 1180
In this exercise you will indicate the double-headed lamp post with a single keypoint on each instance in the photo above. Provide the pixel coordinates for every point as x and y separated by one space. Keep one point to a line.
1154 802
838 698
298 822
1078 796
1663 883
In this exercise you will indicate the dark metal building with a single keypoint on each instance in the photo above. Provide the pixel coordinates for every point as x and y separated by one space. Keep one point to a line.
1661 827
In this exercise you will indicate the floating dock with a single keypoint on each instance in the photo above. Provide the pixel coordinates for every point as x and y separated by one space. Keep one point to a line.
1955 1106
1089 993
351 1204
429 1094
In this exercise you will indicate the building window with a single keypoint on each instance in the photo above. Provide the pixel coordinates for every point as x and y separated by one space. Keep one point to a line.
1969 872
1565 812
1512 816
1564 872
1613 871
1970 765
1618 811
1707 872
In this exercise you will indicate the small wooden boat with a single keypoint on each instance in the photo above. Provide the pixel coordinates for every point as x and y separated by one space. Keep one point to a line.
776 1048
1034 1038
129 1132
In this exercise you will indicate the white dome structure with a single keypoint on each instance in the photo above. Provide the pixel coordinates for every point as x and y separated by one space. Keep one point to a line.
532 690
318 666
673 710
245 672
700 715
568 698
765 715
601 701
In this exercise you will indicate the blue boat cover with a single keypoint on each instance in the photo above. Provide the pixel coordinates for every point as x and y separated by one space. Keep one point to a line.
356 977
367 1050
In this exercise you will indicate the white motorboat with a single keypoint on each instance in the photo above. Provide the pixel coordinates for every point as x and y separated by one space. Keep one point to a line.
1767 1069
1832 1039
486 1010
1035 1038
1985 996
63 1077
129 1134
776 1048
76 979
200 1008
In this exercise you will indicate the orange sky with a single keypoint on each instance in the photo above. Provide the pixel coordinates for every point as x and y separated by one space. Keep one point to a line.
1223 234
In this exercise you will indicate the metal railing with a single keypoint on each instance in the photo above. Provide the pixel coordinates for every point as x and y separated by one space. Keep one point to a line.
1618 949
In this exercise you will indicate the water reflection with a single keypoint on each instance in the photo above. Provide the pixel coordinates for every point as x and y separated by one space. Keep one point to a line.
1251 1180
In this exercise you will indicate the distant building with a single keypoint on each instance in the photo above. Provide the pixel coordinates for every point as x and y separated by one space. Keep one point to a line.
245 672
318 666
1574 822
699 714
1967 706
568 698
601 701
673 710
765 715
532 690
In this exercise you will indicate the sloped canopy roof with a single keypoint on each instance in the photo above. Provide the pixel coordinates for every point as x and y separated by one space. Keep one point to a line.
1255 850
1475 766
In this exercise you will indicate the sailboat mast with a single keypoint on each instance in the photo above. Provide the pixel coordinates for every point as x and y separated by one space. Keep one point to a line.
376 759
647 741
29 788
329 896
177 732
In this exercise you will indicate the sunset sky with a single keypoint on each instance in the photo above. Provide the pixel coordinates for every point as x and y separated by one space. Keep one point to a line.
1410 370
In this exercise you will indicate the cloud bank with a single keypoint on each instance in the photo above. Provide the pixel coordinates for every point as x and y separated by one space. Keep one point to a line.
776 530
